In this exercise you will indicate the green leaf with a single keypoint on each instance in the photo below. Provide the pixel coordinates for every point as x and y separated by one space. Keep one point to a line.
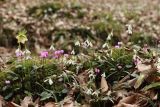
8 96
139 81
153 85
45 95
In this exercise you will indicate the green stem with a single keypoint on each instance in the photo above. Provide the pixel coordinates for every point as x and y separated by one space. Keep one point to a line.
56 100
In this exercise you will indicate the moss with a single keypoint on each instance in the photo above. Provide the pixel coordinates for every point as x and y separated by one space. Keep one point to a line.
104 24
49 9
131 15
140 38
2 78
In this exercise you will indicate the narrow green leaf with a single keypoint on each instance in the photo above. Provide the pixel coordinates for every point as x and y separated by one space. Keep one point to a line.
139 81
153 85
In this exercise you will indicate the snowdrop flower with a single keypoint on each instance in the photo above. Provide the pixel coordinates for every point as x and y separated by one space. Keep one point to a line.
44 54
50 81
87 44
129 29
73 52
104 45
19 52
27 52
103 75
158 64
77 43
51 48
96 93
89 91
110 36
71 62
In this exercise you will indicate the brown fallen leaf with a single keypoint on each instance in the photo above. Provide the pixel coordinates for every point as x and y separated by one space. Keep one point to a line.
9 104
128 100
71 104
104 85
143 67
127 105
1 101
145 72
50 104
26 101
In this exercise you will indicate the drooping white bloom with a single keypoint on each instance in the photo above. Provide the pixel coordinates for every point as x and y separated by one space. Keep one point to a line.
110 36
52 48
129 29
96 93
77 43
50 81
89 91
26 52
104 45
103 75
73 52
87 44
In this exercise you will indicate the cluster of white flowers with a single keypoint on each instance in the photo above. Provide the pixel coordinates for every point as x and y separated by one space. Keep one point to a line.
26 53
87 44
91 74
158 64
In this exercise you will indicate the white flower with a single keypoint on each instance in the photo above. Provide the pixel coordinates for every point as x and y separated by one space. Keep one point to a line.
87 44
110 36
89 91
73 52
27 52
50 81
71 62
103 75
96 93
77 43
52 48
104 45
129 29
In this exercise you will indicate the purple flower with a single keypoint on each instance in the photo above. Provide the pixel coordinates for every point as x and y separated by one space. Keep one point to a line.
117 46
58 53
97 71
66 55
55 56
7 82
44 54
19 52
62 51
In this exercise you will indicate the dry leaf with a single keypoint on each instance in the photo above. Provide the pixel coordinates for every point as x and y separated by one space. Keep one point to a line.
1 101
50 104
104 85
127 105
69 104
143 67
26 101
14 104
129 100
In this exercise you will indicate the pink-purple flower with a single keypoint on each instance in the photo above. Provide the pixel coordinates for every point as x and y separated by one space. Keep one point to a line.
19 53
97 71
7 82
44 54
58 53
